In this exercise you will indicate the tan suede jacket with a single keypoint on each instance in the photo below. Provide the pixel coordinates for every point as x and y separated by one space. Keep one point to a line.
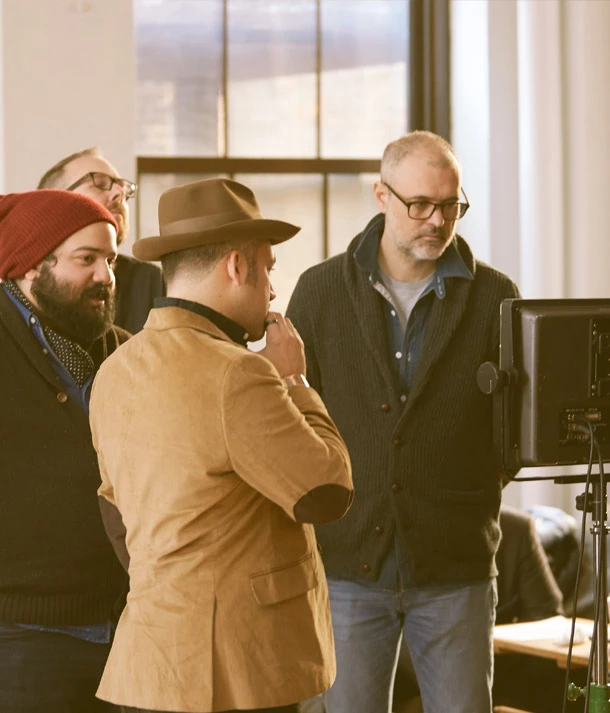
214 467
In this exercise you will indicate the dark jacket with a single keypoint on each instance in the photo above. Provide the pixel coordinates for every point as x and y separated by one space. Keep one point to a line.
137 285
527 590
425 469
56 564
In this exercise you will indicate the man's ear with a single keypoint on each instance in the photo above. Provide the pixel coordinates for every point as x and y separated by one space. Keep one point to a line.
237 268
381 195
32 274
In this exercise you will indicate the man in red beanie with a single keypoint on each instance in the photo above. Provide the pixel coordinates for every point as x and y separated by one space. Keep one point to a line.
137 283
59 577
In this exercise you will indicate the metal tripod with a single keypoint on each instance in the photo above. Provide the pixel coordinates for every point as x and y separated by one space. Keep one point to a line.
598 690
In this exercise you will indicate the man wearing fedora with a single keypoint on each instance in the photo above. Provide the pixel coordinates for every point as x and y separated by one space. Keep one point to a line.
218 460
59 577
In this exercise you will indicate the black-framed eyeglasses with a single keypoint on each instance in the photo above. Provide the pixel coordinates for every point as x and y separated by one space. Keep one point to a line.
422 210
105 182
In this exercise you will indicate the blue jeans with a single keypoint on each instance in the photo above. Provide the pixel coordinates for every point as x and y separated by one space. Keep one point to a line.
449 632
46 672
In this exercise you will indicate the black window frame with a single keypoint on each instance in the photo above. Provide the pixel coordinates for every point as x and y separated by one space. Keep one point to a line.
428 108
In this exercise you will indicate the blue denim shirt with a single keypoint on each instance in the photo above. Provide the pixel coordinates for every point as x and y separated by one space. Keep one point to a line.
81 396
96 633
406 350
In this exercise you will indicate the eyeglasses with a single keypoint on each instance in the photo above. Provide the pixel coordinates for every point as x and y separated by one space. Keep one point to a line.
105 182
422 210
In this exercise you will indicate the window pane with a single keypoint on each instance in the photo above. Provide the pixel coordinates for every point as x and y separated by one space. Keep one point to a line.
351 204
296 199
179 82
364 76
272 81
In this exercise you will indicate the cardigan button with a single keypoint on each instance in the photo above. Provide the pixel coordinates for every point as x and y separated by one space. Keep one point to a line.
366 568
385 408
379 530
62 397
397 442
396 487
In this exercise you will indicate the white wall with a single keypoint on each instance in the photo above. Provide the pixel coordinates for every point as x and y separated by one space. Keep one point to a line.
68 82
471 117
484 126
586 112
541 168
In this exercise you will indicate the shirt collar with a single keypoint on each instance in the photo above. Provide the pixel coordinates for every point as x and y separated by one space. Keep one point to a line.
74 358
233 330
450 264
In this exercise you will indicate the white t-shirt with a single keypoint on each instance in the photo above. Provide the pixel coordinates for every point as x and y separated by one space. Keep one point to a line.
404 294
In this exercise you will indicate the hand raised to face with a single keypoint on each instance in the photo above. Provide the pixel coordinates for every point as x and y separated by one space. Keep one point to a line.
284 347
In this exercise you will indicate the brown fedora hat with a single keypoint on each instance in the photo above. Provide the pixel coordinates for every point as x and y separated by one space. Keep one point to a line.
213 210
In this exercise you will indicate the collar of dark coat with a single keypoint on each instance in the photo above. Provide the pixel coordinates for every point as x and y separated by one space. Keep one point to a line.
170 317
450 264
18 331
231 328
445 315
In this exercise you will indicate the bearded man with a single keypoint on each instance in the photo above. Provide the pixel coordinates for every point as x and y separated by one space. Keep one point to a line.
59 577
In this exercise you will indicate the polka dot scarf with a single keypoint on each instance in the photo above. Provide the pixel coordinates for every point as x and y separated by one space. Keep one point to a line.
75 359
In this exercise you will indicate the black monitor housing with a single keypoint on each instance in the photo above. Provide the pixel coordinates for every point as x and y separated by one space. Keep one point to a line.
553 371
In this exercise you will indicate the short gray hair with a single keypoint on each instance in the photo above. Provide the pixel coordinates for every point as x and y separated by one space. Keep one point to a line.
412 143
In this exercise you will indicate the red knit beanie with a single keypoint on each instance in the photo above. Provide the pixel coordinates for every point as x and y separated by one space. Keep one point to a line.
33 224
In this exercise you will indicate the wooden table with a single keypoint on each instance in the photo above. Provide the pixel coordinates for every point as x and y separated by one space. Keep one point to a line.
542 638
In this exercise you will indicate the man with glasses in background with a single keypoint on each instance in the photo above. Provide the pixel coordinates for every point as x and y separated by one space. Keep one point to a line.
137 283
395 330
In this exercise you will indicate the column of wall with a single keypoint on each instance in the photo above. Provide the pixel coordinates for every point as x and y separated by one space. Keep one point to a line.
586 110
541 168
68 82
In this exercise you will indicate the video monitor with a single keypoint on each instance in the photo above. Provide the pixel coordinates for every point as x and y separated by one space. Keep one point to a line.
554 369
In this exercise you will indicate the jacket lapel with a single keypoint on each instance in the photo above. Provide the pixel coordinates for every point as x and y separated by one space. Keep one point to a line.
162 318
368 306
445 318
17 330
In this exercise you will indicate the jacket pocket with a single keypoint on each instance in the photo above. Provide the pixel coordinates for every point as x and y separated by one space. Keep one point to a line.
281 583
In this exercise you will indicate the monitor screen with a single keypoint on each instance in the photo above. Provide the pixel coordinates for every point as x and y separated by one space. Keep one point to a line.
554 369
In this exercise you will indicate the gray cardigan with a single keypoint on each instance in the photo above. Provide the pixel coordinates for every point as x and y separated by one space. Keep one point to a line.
424 470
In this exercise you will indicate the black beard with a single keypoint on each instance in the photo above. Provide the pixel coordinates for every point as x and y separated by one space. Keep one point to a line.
69 313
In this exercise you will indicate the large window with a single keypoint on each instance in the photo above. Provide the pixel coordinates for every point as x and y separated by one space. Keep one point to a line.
296 98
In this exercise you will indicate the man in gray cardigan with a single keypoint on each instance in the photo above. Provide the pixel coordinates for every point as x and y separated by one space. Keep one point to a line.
395 329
